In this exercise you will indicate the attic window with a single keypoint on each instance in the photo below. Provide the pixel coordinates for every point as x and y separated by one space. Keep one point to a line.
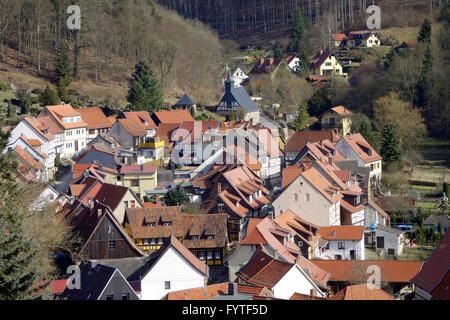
210 237
167 224
151 224
194 237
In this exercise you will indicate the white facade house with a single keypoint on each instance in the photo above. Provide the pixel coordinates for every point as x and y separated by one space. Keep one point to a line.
293 62
175 268
311 197
51 140
355 147
73 127
389 241
343 243
296 281
239 77
47 197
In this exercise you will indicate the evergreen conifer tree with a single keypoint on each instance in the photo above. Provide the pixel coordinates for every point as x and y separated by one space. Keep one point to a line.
425 32
11 112
49 97
63 71
145 92
390 147
18 265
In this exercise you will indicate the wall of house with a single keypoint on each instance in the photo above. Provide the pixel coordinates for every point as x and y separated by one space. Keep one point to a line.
253 117
117 287
373 41
294 281
74 141
119 213
98 245
147 182
358 218
174 268
334 67
391 241
319 210
121 135
333 250
373 216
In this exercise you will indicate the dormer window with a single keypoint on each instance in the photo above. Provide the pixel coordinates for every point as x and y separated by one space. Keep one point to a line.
210 237
151 224
167 224
194 237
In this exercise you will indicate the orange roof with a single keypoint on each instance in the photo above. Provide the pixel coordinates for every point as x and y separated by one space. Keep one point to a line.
164 132
141 117
362 292
290 173
342 232
325 187
343 111
134 128
151 205
173 116
32 142
355 270
43 129
27 159
94 117
295 224
61 111
298 141
301 296
361 147
349 207
201 293
339 36
75 189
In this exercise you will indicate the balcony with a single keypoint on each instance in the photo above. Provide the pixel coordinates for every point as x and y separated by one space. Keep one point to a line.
151 145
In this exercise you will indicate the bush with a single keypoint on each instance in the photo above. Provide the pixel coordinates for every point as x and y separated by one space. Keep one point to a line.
4 86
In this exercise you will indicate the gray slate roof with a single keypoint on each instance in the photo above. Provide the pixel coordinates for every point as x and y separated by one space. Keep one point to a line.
92 282
391 230
131 268
238 97
434 220
185 101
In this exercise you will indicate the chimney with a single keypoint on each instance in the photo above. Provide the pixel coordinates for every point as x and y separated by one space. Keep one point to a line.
99 212
232 288
330 159
91 203
100 167
219 187
271 60
157 201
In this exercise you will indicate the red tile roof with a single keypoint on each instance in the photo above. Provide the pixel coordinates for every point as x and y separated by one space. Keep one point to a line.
141 117
361 292
173 116
323 185
355 270
61 111
132 127
290 173
339 36
300 138
265 65
40 127
343 111
301 296
164 132
342 232
365 34
436 268
132 169
95 118
27 159
263 270
361 147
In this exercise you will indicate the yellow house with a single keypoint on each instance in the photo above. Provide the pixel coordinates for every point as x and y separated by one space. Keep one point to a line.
325 63
152 149
364 38
337 118
139 178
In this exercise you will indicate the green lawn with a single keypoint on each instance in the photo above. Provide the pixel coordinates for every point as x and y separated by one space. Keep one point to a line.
435 152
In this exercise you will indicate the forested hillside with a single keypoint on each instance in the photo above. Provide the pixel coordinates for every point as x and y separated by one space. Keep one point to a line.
258 20
114 36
